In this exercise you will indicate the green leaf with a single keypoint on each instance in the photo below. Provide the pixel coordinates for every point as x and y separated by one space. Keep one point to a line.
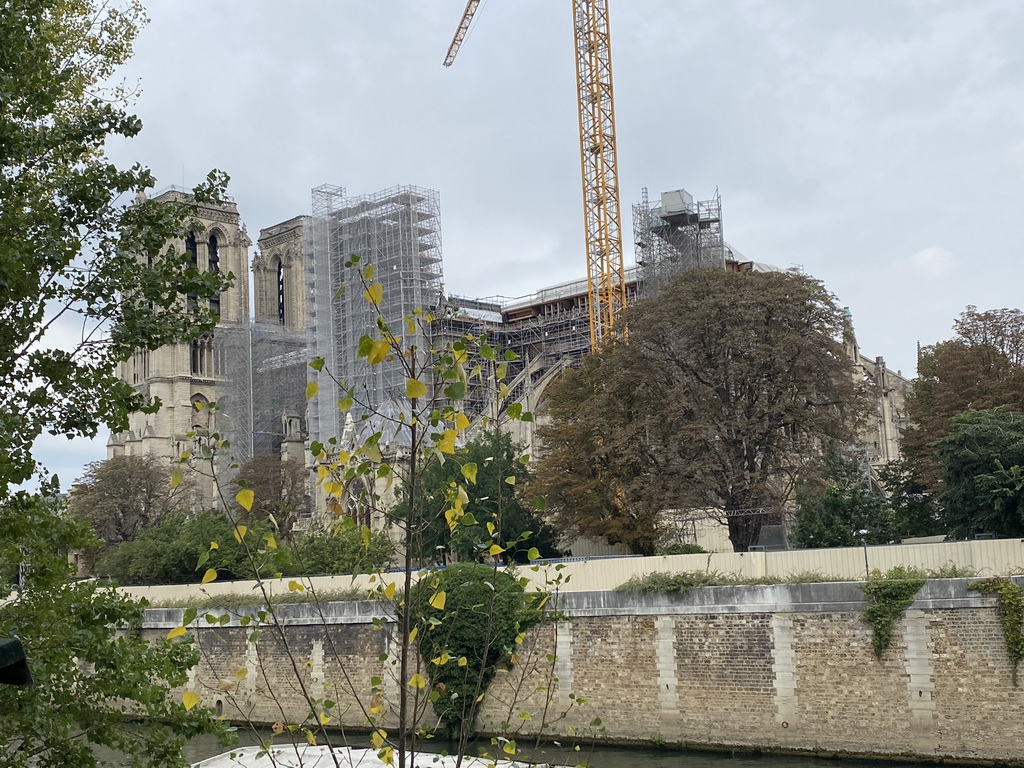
317 364
469 471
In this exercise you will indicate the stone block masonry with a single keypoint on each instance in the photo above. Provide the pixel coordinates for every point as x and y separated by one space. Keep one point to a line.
784 668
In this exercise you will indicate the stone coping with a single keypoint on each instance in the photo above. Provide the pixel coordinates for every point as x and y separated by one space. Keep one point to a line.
845 596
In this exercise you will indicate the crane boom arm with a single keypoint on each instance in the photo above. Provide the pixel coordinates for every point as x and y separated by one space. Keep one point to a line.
460 33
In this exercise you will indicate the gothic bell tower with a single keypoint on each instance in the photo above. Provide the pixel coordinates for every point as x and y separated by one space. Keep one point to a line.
212 369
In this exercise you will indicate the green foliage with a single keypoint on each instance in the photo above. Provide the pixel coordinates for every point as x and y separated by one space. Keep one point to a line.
485 611
167 553
340 549
914 507
121 496
831 513
727 386
94 674
980 368
499 469
682 582
69 249
886 597
683 549
1011 611
983 470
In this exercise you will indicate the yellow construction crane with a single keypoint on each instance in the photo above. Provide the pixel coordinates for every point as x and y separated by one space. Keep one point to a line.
606 274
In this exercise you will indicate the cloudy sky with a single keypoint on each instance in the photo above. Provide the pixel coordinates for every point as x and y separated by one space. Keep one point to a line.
877 144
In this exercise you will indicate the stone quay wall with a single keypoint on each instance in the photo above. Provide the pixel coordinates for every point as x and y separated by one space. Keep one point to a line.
775 668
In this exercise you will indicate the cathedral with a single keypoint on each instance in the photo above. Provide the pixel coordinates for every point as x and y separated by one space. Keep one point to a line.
254 365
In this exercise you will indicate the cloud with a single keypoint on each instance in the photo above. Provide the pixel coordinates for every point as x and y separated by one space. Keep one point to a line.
932 262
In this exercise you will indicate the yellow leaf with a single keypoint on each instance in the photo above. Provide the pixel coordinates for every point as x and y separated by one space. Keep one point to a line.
345 404
461 421
294 586
374 293
463 661
377 738
418 681
389 591
447 443
511 479
490 529
441 660
412 635
410 326
245 498
503 390
271 541
189 699
437 600
469 471
368 272
214 545
185 455
452 516
240 531
415 388
242 673
176 478
209 576
324 718
495 549
379 352
310 738
311 389
460 356
176 632
509 747
387 755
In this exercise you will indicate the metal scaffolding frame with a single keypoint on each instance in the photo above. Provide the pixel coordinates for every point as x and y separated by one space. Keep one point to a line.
677 234
280 359
397 230
232 375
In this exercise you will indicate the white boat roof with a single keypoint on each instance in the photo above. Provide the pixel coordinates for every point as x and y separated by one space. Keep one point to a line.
304 756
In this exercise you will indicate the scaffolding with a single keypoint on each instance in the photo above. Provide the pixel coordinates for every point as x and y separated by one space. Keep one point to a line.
280 360
396 230
233 386
677 234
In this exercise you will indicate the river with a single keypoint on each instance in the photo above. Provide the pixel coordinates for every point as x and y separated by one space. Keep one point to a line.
616 757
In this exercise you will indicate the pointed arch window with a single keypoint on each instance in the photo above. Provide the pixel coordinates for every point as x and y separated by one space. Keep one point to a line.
280 292
213 251
192 249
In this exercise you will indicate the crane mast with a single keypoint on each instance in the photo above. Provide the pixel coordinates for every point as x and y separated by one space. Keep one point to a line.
606 274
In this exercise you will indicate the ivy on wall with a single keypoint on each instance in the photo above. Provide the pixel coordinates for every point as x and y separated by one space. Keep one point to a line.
1011 612
887 596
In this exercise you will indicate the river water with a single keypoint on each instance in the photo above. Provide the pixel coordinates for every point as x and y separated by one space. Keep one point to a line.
615 757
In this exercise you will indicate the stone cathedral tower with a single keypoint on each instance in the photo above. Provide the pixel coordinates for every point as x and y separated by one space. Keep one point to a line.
214 368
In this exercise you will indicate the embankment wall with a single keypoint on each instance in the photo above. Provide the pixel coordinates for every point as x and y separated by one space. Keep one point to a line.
784 667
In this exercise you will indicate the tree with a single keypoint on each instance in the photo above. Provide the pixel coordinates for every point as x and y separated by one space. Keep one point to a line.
499 469
94 677
73 255
71 252
280 488
167 553
123 495
833 512
723 393
340 548
981 367
983 473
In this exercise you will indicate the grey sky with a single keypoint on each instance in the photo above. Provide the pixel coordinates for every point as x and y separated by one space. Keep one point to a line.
878 144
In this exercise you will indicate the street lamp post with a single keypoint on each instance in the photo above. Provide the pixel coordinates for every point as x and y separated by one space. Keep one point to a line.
863 532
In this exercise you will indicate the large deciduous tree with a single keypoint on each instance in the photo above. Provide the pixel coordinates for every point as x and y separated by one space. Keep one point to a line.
123 495
724 392
280 490
983 473
981 367
86 278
